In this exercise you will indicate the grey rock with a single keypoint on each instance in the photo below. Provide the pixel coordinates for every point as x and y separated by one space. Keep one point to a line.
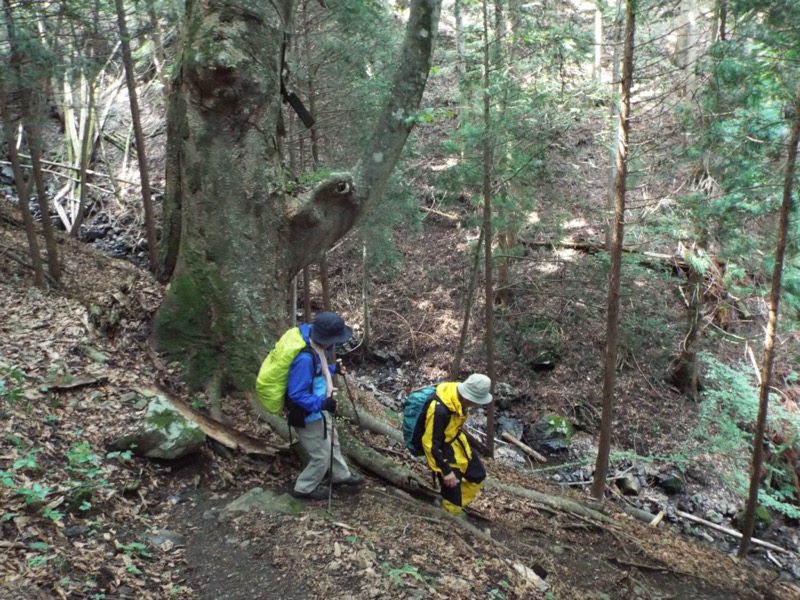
75 531
552 432
629 485
514 426
263 500
509 456
703 535
166 535
163 434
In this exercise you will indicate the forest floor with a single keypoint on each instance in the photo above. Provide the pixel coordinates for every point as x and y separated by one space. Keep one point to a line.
80 523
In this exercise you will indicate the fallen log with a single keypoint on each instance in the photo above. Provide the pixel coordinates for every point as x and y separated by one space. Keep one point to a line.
372 423
227 436
640 514
730 532
386 468
353 448
522 446
558 503
399 475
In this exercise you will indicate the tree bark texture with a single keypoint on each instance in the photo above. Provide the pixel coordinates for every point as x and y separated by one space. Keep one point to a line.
769 339
612 319
28 107
53 264
136 120
455 367
23 192
487 228
234 235
685 371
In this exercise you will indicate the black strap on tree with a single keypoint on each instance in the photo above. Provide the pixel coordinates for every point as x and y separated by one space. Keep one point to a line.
290 97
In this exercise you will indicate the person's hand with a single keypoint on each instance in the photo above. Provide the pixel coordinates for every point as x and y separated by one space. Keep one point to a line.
329 404
340 366
450 480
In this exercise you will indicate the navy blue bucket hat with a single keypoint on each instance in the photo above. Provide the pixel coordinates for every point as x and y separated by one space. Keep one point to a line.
329 328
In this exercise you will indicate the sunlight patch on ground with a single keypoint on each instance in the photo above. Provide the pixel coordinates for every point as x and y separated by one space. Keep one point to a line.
575 224
562 255
445 164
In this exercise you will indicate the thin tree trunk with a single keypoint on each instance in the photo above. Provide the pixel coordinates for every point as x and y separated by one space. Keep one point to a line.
86 150
598 42
487 227
365 342
461 45
53 265
293 302
506 237
685 371
604 445
722 32
307 294
455 367
769 339
159 58
23 193
130 76
691 47
614 113
324 283
312 95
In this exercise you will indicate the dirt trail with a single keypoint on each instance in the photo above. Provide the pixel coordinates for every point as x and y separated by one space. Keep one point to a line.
382 543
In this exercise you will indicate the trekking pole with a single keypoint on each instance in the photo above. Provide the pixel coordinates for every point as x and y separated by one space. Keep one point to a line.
349 393
330 469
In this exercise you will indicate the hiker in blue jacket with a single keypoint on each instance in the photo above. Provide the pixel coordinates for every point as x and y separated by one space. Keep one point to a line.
311 404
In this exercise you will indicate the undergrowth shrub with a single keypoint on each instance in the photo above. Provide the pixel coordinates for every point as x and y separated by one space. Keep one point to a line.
725 427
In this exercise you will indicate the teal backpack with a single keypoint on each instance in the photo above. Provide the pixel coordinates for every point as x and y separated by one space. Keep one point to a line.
415 408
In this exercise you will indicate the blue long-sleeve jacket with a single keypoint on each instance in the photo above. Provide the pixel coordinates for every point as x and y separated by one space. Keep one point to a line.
307 385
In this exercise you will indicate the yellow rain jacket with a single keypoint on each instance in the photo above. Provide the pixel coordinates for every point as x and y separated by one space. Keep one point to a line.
446 446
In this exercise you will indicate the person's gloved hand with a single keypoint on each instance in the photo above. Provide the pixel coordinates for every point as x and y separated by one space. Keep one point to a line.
329 404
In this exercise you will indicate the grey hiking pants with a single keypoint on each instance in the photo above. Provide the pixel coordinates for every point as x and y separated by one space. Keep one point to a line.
318 446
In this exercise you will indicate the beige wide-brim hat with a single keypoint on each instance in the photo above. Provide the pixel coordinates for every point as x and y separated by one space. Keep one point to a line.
476 389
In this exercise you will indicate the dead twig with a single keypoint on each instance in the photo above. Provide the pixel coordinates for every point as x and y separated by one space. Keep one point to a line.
642 566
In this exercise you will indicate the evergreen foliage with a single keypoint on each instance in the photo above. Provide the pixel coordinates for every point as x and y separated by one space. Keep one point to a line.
724 431
739 128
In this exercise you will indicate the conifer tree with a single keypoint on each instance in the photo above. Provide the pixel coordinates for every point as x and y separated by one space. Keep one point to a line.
748 523
612 318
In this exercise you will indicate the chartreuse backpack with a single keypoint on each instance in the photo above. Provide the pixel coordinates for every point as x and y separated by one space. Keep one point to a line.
415 409
273 377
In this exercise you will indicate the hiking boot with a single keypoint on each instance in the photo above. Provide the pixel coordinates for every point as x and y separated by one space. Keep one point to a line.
353 480
318 493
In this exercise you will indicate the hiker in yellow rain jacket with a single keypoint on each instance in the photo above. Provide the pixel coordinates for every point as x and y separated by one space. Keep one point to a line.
460 470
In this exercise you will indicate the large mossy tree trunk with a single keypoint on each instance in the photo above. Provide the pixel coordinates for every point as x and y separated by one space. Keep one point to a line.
234 236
